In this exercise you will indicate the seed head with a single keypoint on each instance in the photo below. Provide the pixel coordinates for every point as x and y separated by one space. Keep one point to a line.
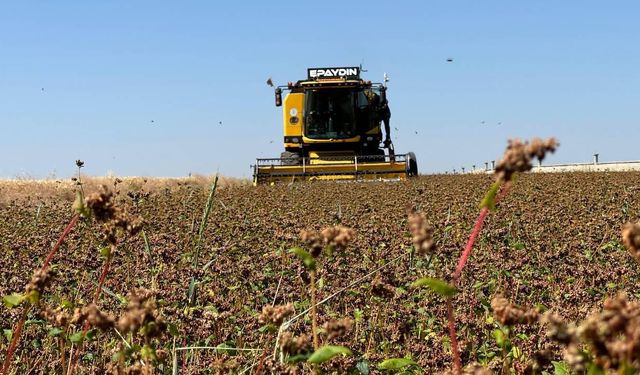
292 345
510 314
101 205
338 236
39 280
93 316
337 328
422 233
141 315
313 242
631 239
276 314
518 156
558 330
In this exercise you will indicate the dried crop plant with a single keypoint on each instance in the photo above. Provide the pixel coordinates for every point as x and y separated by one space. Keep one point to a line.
324 243
517 158
41 277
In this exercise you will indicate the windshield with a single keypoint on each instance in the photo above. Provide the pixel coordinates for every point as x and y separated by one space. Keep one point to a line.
330 114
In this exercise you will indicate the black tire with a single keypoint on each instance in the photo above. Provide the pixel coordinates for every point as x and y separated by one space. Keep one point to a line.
290 158
412 165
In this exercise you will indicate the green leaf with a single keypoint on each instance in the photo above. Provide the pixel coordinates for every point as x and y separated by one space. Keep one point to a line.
396 363
441 287
298 358
501 339
306 258
79 206
55 331
327 352
8 334
489 200
105 251
13 300
560 368
76 337
173 329
595 370
363 367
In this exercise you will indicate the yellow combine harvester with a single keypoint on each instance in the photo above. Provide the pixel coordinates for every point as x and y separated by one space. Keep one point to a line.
332 131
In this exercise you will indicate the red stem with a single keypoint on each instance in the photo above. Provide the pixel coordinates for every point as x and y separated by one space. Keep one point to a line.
85 327
484 212
66 232
14 342
18 330
457 363
472 240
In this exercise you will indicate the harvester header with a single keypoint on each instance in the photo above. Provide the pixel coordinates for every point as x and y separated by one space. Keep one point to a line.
332 125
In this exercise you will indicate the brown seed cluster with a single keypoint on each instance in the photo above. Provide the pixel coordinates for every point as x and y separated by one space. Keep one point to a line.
112 217
141 314
631 239
276 314
39 280
56 317
93 316
614 334
135 369
336 237
337 328
224 365
313 241
382 289
510 314
422 232
563 333
518 156
293 345
476 369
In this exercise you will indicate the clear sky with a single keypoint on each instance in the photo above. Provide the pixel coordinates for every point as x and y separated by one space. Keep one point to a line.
140 87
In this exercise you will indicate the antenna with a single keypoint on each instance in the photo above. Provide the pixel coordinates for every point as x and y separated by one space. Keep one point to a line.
386 79
361 68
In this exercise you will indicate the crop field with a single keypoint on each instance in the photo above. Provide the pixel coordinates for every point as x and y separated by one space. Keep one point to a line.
190 279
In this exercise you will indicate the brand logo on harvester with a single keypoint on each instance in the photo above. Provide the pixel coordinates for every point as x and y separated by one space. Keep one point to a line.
349 72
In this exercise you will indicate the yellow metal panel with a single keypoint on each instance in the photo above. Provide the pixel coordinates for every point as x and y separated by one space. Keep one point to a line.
352 171
346 140
293 102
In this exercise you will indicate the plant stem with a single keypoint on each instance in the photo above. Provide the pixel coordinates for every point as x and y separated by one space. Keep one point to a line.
457 363
14 341
65 233
472 240
313 311
96 297
484 212
18 330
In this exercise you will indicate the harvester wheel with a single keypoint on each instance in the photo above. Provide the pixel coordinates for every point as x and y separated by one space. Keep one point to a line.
289 158
412 165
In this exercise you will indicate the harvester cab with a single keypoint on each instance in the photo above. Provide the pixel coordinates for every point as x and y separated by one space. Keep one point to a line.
333 131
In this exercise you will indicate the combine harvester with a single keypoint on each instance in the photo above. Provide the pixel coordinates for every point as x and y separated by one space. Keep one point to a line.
332 131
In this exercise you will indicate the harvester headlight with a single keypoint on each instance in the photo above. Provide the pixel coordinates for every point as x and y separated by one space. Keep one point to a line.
295 140
369 138
293 112
293 120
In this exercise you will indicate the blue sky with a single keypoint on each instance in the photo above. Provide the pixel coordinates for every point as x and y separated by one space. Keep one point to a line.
568 69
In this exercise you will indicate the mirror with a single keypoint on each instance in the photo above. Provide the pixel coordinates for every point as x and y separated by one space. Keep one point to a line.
278 97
